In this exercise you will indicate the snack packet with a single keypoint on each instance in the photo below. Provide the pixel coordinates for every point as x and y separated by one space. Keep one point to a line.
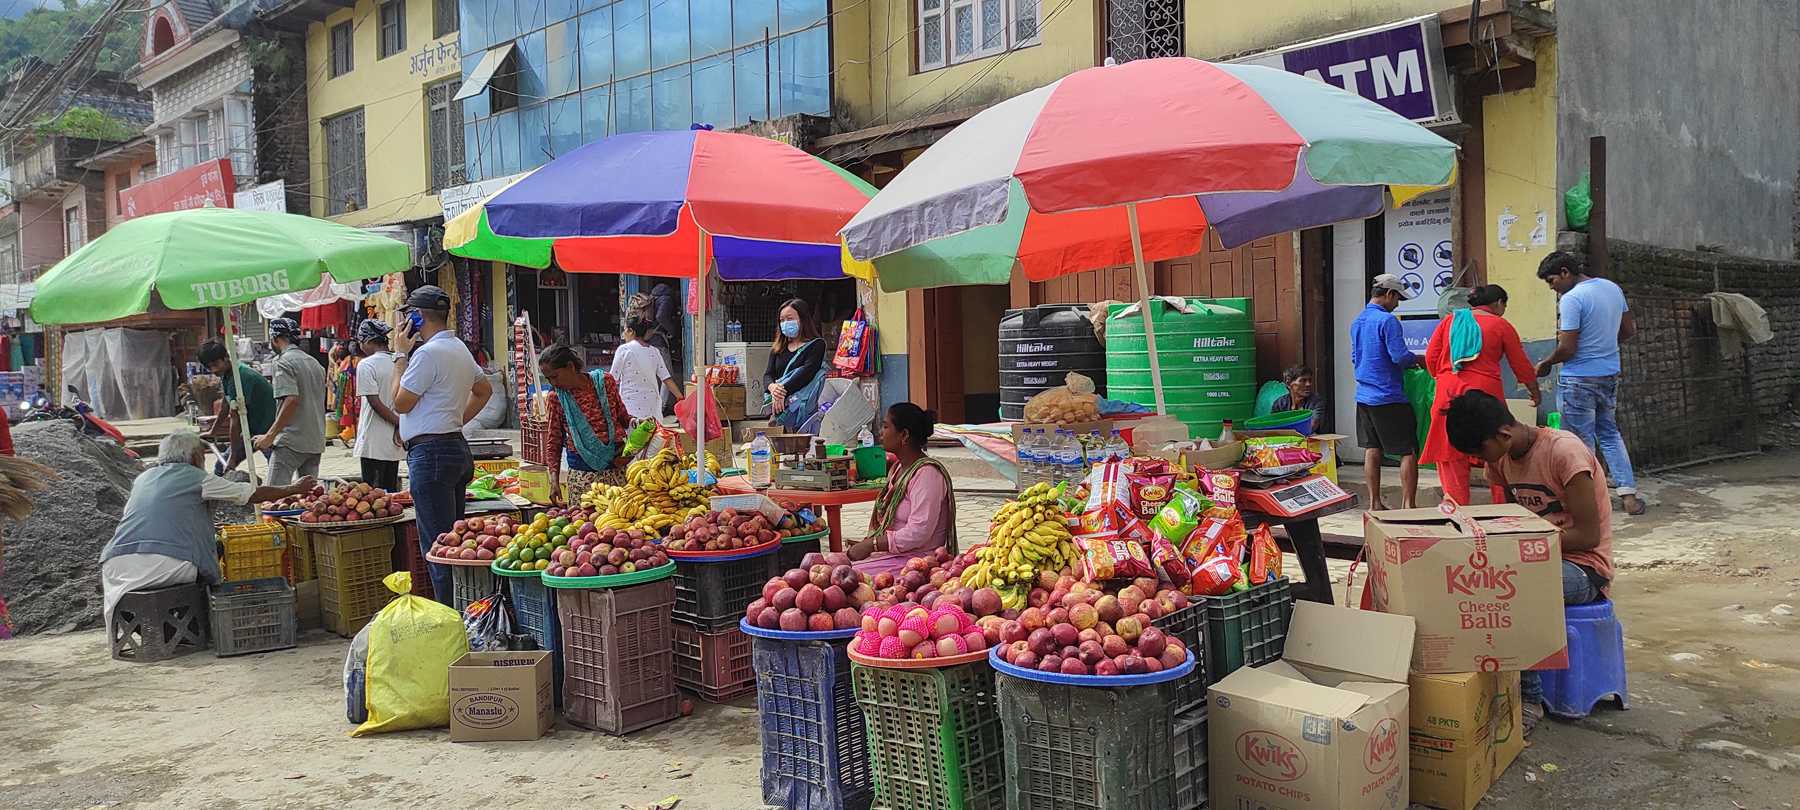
1213 553
1221 487
1106 483
1150 491
1174 567
1276 460
1178 519
1265 557
1106 555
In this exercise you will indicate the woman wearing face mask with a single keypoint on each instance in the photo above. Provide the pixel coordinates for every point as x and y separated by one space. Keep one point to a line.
796 367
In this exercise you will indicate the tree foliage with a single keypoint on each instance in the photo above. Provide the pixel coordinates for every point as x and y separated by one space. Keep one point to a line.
47 33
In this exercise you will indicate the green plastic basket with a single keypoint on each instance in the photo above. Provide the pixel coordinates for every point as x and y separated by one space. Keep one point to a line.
1086 748
533 573
934 737
615 581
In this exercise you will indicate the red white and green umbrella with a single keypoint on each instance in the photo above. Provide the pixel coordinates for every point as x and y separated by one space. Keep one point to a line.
1132 163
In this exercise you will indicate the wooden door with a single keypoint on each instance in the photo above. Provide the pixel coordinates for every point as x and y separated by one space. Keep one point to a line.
934 349
1265 271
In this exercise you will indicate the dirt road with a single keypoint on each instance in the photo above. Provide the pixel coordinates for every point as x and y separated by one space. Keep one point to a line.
1708 588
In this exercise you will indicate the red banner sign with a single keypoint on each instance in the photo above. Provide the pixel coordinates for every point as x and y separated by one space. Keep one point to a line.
192 187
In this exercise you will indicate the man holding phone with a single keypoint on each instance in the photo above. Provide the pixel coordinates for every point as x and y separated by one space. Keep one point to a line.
437 389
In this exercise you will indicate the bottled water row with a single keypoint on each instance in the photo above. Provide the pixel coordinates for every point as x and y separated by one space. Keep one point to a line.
1064 456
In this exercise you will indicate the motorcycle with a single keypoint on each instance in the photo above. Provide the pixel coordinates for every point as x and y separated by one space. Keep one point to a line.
80 412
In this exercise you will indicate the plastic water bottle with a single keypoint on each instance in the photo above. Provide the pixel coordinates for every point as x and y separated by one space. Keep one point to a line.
864 438
1095 448
1116 446
1028 458
760 452
1066 464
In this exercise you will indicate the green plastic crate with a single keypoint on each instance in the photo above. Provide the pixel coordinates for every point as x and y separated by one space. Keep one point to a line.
934 737
1086 747
1247 628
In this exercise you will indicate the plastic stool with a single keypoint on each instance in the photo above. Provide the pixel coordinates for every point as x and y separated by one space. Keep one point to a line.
159 624
1596 662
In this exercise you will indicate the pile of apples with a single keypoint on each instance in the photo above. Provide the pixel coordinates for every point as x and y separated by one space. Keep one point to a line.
721 531
920 577
607 552
346 503
909 631
477 538
823 594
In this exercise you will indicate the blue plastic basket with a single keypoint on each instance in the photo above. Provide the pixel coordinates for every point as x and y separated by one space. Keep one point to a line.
815 750
535 607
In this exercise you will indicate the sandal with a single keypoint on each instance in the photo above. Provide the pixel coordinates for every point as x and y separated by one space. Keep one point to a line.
1634 505
1530 715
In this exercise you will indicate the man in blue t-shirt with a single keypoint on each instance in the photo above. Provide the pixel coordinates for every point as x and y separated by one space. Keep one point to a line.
1384 416
1592 320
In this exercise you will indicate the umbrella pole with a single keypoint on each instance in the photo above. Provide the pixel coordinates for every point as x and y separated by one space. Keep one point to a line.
1143 285
237 403
700 364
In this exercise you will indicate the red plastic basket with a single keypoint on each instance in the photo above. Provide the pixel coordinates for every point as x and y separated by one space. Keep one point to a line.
534 442
716 666
408 557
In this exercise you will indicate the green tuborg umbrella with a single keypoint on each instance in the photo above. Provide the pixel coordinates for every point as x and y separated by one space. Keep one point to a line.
208 257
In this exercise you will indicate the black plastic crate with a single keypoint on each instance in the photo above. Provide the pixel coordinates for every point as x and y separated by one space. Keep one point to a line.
1189 625
711 596
815 748
534 606
1188 750
1246 629
1085 747
250 616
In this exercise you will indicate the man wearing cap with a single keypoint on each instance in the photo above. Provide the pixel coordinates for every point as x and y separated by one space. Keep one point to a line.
1385 423
297 437
437 389
378 428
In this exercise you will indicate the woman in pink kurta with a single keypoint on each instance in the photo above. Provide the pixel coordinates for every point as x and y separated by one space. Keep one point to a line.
916 513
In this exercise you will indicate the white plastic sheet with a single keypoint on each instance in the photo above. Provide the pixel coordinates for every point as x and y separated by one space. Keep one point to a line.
121 373
275 306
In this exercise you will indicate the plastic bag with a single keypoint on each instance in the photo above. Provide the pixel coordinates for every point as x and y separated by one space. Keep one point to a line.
1578 205
489 625
684 413
1073 401
356 709
855 348
412 643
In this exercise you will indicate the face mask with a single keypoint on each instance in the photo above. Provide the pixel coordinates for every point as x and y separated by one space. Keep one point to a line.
790 328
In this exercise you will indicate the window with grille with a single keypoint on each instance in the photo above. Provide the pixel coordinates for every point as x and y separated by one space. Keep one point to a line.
445 18
342 41
444 135
953 31
393 28
1143 29
346 188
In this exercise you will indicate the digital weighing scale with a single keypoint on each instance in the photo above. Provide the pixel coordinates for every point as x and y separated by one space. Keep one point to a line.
1289 497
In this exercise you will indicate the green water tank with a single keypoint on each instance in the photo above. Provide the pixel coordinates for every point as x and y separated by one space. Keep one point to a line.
1208 361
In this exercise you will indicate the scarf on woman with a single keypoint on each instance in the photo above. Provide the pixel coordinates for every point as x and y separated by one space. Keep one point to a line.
1465 338
887 506
594 452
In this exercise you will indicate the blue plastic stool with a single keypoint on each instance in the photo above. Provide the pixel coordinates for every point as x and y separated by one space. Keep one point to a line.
1596 662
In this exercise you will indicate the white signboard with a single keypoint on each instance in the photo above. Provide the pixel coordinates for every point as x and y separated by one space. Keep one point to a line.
1419 249
266 197
457 199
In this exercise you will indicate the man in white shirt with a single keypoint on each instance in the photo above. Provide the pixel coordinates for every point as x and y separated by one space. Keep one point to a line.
640 370
437 389
378 429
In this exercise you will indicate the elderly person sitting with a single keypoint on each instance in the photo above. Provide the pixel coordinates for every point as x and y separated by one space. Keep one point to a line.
165 537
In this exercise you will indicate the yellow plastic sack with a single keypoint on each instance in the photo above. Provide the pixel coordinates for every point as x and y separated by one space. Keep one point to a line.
412 643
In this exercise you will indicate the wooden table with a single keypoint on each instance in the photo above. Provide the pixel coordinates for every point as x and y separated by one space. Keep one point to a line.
1308 544
833 502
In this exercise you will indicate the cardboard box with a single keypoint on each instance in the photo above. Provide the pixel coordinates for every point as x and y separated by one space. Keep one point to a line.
730 399
1463 734
1322 728
501 696
1484 583
1325 444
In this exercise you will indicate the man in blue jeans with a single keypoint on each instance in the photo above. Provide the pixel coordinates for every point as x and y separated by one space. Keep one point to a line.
1555 475
1592 320
437 389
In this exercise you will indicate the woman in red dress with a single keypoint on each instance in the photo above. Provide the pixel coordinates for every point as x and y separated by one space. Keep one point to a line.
1465 353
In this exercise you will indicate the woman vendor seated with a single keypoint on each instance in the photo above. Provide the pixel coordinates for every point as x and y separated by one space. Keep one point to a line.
586 426
916 512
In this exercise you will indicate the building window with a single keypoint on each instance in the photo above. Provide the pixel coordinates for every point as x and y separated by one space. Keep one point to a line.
393 28
73 237
444 135
121 181
954 31
1143 29
503 89
345 186
343 37
445 18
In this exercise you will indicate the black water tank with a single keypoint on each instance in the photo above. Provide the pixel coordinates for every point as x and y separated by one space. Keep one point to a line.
1039 346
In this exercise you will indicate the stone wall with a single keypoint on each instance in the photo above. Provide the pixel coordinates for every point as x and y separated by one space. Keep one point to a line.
202 83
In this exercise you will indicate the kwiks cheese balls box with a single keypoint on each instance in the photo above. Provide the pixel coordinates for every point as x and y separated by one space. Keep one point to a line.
1484 583
1325 727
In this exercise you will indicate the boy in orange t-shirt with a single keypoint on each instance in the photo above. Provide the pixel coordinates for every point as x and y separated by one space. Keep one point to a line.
1554 474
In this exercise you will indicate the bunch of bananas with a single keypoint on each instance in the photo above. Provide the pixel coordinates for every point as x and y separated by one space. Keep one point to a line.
656 495
1026 536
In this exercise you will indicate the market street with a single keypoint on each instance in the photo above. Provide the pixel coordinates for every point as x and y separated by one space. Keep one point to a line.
1707 589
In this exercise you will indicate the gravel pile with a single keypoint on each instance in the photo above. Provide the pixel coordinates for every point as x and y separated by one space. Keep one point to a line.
51 577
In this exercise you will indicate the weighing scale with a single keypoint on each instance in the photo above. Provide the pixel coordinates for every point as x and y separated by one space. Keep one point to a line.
1289 497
